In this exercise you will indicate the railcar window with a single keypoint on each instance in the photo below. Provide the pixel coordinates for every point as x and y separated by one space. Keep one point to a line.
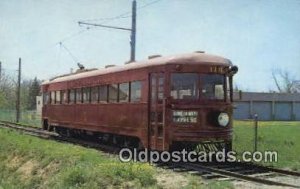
136 91
61 100
52 97
228 88
57 97
86 94
160 92
184 86
79 95
94 94
103 93
124 92
113 93
153 89
212 86
64 97
71 96
45 98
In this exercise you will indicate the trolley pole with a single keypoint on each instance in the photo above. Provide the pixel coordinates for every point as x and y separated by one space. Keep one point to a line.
255 131
18 93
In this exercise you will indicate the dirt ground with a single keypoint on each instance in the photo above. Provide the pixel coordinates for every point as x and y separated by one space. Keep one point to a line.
283 179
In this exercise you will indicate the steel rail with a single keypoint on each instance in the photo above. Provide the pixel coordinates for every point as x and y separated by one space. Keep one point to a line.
222 172
38 132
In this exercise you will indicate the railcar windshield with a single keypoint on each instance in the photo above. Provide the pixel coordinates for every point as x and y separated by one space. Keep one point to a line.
184 86
212 86
193 86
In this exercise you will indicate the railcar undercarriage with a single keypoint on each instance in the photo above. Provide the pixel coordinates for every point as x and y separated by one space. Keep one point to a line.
207 146
122 141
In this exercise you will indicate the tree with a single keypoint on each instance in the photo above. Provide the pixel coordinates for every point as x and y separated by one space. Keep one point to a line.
285 82
7 91
33 91
296 86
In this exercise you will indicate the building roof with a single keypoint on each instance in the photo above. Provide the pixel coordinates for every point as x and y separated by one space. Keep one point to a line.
190 58
254 96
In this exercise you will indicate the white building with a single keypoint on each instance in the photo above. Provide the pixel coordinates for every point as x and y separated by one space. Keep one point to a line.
39 105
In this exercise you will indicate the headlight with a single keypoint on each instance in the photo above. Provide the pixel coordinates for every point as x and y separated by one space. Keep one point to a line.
223 119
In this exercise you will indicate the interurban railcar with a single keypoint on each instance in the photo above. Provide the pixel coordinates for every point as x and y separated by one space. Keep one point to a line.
163 103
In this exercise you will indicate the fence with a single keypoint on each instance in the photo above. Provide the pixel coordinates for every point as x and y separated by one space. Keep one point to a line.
27 117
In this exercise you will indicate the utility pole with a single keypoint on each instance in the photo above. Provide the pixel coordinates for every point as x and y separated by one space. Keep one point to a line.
18 93
132 30
0 70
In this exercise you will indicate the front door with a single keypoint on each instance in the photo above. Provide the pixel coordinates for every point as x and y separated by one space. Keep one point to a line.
157 112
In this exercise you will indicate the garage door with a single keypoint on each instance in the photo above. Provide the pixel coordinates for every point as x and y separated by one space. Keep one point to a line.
242 110
297 111
263 109
283 111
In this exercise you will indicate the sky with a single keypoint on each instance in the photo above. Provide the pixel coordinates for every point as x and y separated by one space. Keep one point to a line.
257 35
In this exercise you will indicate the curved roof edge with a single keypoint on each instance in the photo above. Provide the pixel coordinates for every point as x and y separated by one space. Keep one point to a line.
190 58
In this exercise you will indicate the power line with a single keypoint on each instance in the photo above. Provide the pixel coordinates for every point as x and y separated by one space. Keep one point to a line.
148 4
75 34
123 15
38 53
132 30
104 26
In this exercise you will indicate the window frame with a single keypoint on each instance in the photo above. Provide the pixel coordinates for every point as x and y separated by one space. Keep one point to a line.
201 98
98 94
77 100
106 94
111 86
46 98
131 91
52 97
128 92
64 97
72 100
200 87
86 98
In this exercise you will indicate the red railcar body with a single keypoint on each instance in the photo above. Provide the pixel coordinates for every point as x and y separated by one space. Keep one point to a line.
162 102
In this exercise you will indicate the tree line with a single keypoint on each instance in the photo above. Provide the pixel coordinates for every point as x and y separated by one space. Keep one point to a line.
30 88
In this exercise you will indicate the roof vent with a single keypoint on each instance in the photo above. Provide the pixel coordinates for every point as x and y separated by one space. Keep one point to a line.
199 51
110 65
154 56
128 62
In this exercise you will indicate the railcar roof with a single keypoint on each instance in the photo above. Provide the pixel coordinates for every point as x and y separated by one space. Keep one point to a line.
187 59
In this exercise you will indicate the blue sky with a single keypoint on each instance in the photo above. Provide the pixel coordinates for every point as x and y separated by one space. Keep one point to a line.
257 35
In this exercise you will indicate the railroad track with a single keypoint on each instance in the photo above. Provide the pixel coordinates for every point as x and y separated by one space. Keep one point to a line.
234 171
220 171
38 132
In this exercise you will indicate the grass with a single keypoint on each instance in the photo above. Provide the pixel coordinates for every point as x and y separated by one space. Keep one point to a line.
30 162
279 136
